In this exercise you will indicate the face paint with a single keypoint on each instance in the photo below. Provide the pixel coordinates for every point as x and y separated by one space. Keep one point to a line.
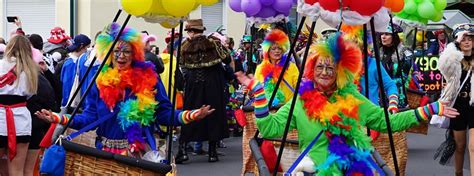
325 74
122 55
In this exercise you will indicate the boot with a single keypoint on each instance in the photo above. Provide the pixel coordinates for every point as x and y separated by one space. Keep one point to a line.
182 155
458 173
213 152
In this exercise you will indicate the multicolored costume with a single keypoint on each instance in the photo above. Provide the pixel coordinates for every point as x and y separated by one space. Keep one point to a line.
344 148
134 99
268 73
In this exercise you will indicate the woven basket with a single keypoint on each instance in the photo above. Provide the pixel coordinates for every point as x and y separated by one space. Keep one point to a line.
248 162
382 145
84 159
290 154
414 97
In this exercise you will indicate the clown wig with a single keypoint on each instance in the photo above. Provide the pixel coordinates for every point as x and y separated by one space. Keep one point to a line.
106 38
346 56
278 37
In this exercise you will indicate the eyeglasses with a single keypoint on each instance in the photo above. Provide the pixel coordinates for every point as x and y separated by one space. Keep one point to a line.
321 68
124 52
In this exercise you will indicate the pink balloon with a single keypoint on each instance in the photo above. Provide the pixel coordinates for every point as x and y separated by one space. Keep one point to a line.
251 7
266 12
282 5
235 5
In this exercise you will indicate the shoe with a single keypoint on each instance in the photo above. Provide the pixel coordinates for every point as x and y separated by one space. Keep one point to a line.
213 152
182 155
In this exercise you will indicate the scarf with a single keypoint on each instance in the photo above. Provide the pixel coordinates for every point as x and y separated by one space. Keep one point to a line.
136 111
349 148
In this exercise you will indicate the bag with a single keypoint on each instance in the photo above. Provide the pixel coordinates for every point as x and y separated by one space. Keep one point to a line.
240 117
54 160
440 121
446 150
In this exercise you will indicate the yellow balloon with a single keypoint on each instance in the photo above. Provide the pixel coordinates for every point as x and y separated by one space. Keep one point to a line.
137 7
157 8
207 2
166 24
179 8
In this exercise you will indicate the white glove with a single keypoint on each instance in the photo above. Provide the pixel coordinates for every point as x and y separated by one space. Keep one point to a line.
306 165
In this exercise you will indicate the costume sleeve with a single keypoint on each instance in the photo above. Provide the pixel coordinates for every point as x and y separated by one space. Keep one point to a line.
270 125
374 118
163 110
293 70
90 113
389 85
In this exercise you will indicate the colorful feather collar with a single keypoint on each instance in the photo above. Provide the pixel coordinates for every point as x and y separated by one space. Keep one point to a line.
349 148
270 73
135 90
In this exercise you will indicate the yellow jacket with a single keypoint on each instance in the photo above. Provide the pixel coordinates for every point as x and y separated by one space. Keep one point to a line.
291 77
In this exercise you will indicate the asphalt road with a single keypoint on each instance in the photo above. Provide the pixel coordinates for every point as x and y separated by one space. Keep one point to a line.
420 158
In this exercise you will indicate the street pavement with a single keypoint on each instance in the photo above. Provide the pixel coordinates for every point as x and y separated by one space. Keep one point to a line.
420 158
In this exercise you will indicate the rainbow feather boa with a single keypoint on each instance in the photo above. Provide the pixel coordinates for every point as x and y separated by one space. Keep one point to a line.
349 148
270 73
137 86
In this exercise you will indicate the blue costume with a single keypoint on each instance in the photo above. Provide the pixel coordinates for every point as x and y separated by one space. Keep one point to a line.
389 85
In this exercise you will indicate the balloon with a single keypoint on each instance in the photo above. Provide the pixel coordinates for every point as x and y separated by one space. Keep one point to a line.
266 12
310 2
440 4
205 2
394 5
251 7
157 8
137 7
437 17
368 8
235 5
179 8
402 14
166 24
397 5
330 5
267 2
410 7
426 9
282 5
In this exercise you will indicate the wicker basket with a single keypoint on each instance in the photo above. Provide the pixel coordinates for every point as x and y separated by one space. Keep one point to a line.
414 97
382 145
84 159
290 153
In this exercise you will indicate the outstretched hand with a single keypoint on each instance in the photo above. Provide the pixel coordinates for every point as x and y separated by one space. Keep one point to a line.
45 115
449 111
244 79
204 111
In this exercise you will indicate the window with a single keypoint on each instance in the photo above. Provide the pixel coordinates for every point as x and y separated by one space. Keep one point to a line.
213 16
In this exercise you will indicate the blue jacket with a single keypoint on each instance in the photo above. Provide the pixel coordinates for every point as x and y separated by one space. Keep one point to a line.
68 72
95 108
389 85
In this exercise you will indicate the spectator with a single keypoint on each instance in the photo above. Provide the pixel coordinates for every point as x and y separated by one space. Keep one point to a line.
70 70
204 84
438 44
22 82
149 56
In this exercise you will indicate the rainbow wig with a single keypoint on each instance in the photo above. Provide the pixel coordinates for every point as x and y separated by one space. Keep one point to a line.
346 56
106 38
278 37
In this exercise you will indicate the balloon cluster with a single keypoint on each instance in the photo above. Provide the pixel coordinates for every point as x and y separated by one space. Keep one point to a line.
420 11
263 9
166 12
367 8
